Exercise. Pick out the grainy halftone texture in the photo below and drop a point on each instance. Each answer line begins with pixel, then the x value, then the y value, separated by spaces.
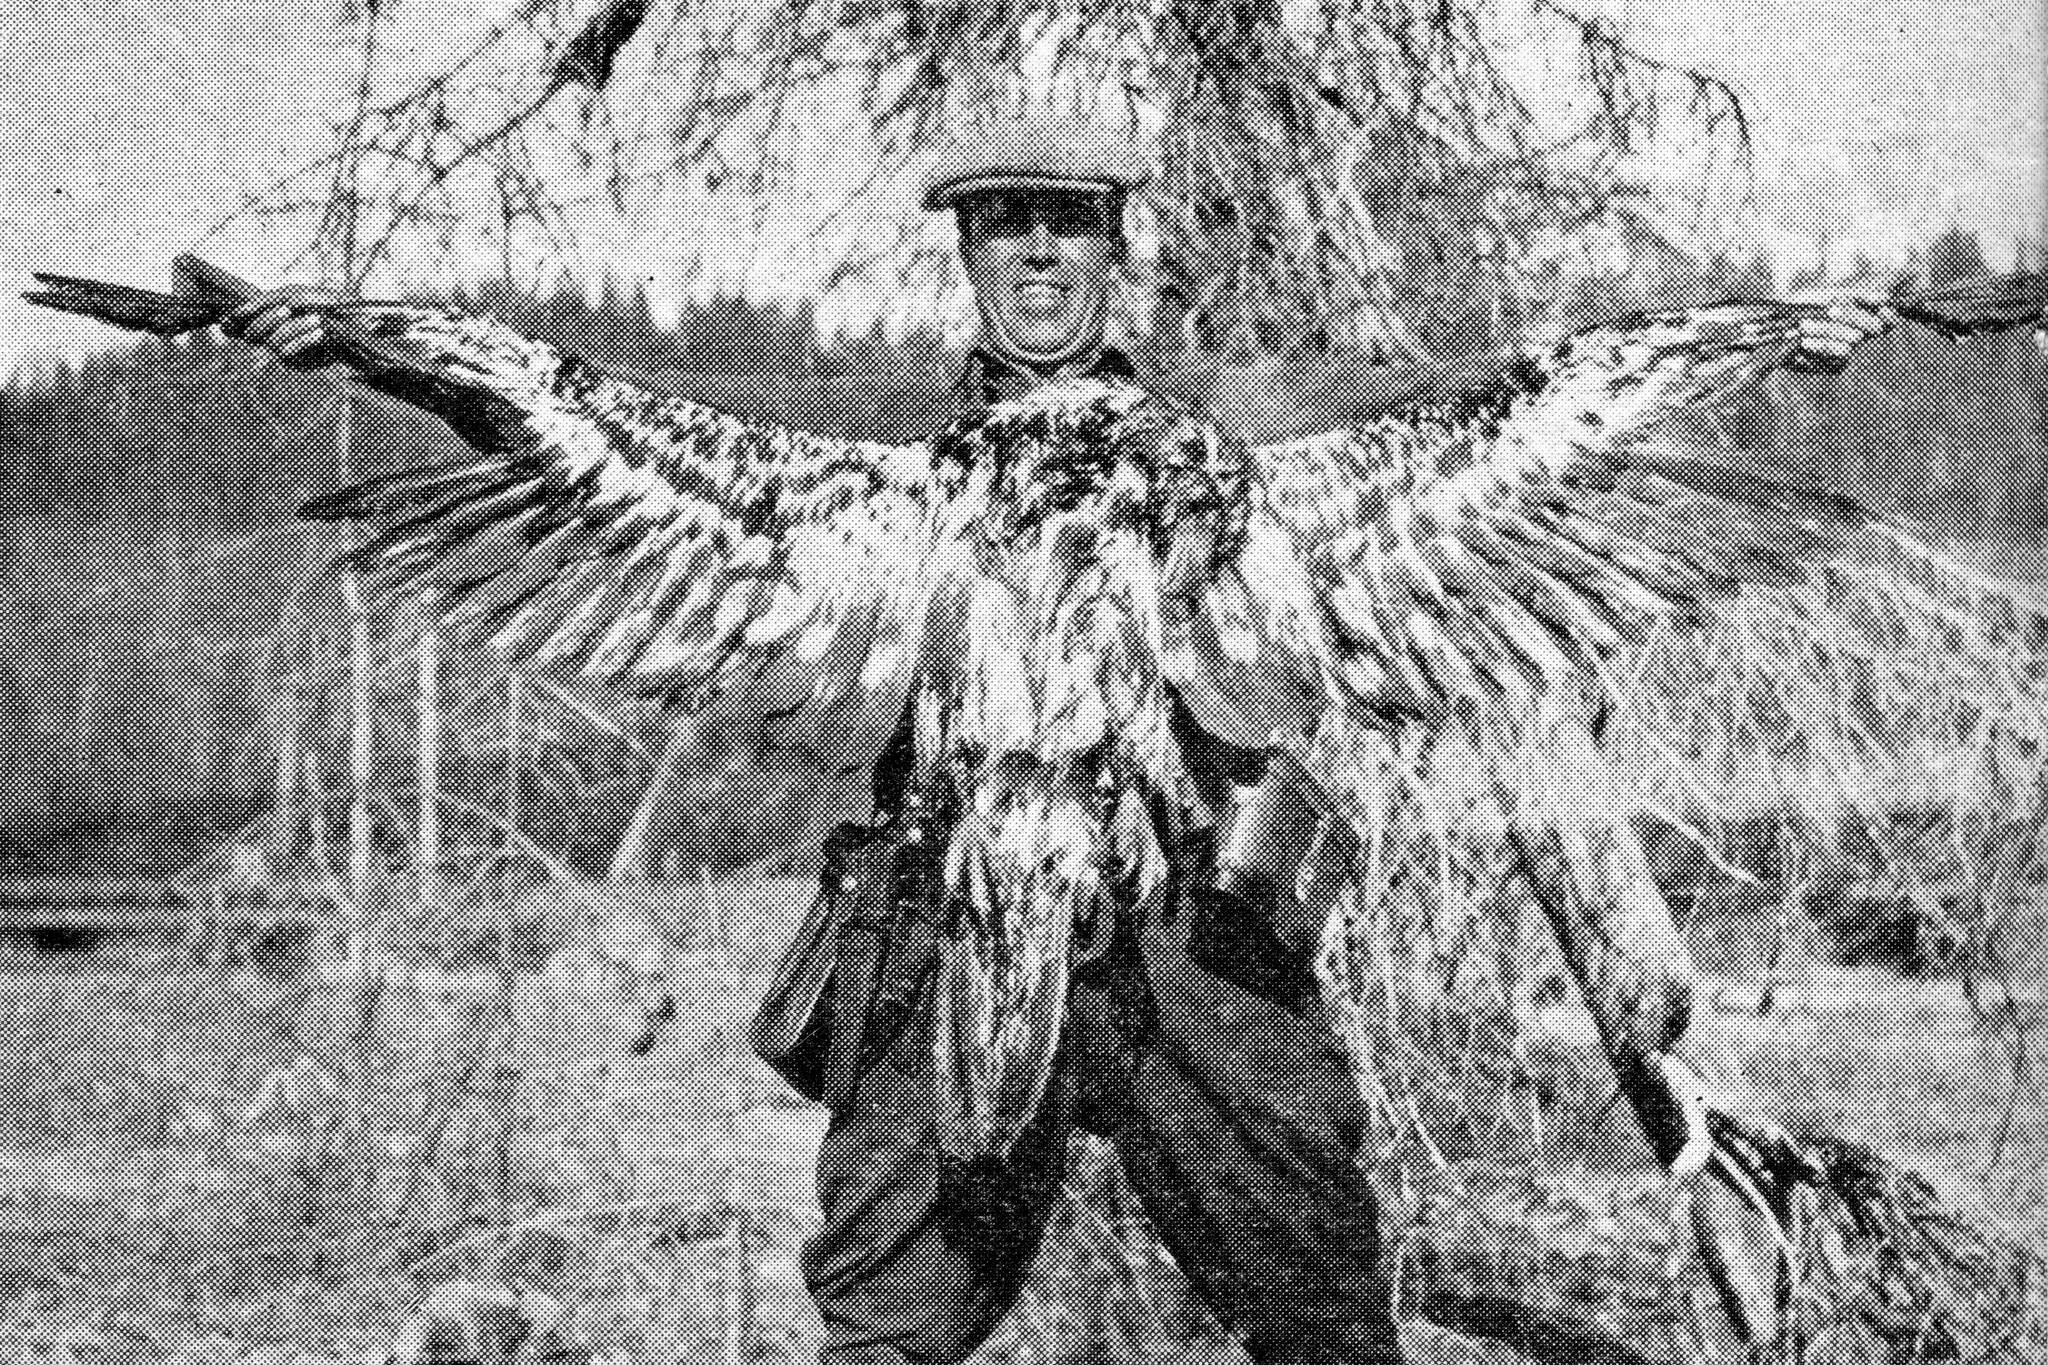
pixel 308 1154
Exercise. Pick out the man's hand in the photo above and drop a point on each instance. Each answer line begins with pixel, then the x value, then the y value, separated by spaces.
pixel 288 322
pixel 1824 342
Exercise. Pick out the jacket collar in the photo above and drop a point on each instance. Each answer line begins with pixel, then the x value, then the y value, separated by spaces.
pixel 988 378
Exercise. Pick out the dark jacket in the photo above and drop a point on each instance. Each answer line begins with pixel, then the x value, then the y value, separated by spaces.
pixel 987 378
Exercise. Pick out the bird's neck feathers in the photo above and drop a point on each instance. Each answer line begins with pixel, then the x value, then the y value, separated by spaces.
pixel 989 379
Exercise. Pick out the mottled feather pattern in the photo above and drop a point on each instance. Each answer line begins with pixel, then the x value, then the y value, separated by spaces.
pixel 1513 544
pixel 649 540
pixel 1049 574
pixel 1055 597
pixel 1027 865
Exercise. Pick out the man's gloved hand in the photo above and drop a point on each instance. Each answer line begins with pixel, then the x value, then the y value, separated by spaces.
pixel 1824 341
pixel 288 322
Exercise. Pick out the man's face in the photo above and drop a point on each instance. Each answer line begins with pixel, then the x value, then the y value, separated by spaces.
pixel 1042 263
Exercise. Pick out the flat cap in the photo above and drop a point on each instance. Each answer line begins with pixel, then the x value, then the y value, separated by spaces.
pixel 1034 153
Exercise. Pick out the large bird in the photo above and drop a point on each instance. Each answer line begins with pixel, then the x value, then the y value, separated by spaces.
pixel 1046 582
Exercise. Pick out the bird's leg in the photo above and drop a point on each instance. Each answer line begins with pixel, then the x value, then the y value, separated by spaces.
pixel 1200 795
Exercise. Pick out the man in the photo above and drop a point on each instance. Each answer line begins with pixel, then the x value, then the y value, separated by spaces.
pixel 1194 1038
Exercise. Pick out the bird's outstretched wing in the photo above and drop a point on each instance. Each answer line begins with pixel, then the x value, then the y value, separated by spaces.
pixel 1529 537
pixel 605 527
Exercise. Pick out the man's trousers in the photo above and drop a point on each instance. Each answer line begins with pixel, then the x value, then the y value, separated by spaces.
pixel 1239 1129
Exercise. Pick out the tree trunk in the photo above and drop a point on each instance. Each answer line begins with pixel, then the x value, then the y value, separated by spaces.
pixel 1571 836
pixel 429 757
pixel 362 719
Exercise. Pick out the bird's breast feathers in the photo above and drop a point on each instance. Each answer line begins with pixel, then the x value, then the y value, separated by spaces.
pixel 1045 622
pixel 1108 450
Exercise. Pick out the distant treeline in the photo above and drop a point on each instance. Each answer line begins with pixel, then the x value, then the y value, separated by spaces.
pixel 1949 435
pixel 155 586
